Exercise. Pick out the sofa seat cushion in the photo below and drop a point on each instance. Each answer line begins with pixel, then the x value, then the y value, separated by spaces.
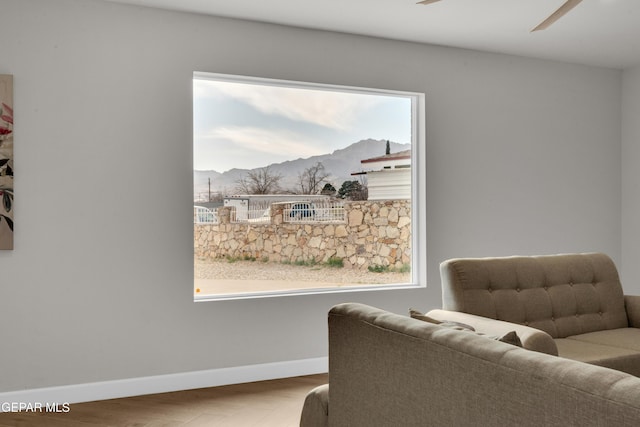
pixel 615 348
pixel 628 338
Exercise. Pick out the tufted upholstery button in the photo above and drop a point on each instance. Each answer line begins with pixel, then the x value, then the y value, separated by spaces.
pixel 490 289
pixel 517 289
pixel 553 318
pixel 600 313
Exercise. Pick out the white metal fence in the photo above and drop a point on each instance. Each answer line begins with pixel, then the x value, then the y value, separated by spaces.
pixel 202 215
pixel 314 212
pixel 297 212
pixel 259 213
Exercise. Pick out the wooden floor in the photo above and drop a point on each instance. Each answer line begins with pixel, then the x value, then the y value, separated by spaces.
pixel 275 403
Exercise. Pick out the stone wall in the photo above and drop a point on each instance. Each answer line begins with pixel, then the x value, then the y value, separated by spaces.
pixel 374 233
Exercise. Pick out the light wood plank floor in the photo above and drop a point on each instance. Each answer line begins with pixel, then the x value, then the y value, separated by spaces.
pixel 275 403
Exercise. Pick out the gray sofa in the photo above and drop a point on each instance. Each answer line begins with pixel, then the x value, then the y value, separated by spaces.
pixel 571 305
pixel 391 370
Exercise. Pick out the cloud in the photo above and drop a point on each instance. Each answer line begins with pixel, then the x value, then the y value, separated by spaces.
pixel 330 109
pixel 256 147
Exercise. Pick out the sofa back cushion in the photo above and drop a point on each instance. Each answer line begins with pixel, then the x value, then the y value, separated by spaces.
pixel 562 295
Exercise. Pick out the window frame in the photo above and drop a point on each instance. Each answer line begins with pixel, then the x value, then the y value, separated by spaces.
pixel 418 185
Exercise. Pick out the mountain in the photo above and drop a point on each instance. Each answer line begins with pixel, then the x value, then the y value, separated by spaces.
pixel 340 165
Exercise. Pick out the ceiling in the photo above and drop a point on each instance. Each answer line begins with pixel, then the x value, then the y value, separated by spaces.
pixel 596 32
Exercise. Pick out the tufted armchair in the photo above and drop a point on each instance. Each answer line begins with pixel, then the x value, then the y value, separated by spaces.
pixel 569 305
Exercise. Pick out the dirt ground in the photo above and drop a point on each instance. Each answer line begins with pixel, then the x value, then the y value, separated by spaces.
pixel 222 276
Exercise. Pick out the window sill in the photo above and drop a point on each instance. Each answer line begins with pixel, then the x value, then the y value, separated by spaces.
pixel 304 291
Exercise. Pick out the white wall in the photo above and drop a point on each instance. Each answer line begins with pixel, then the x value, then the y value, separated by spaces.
pixel 523 157
pixel 630 268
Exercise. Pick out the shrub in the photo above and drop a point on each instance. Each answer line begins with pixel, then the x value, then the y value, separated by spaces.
pixel 378 268
pixel 406 268
pixel 335 262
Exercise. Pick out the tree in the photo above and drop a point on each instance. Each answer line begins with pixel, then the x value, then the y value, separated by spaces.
pixel 353 190
pixel 328 190
pixel 388 149
pixel 259 181
pixel 311 179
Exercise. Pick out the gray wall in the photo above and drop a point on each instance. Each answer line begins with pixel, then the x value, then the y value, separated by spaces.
pixel 630 269
pixel 524 157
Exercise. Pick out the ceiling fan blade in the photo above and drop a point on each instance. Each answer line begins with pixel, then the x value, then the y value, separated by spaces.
pixel 427 1
pixel 562 10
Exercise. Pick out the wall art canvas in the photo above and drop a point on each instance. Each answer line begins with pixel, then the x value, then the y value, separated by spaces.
pixel 6 161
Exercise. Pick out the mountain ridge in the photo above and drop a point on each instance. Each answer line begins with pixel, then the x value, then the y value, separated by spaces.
pixel 339 164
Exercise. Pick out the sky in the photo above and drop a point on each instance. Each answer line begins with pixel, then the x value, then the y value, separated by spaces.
pixel 249 125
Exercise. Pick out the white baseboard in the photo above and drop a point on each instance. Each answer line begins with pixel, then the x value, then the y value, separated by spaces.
pixel 166 383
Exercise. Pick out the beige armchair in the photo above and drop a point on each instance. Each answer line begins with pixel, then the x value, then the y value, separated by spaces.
pixel 569 305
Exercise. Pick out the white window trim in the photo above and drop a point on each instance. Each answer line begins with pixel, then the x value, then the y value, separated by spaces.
pixel 418 187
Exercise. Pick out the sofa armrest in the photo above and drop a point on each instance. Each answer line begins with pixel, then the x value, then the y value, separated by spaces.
pixel 532 339
pixel 632 305
pixel 315 411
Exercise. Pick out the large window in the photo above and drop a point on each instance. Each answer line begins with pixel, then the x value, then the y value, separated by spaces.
pixel 302 187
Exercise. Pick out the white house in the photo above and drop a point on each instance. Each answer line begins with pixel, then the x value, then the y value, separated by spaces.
pixel 388 176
